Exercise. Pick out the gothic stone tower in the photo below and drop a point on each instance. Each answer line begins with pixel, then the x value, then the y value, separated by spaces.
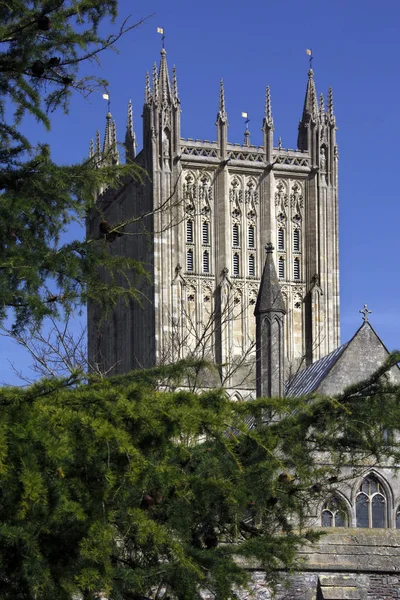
pixel 199 225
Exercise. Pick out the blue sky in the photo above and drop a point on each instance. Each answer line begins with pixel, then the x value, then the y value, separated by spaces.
pixel 356 48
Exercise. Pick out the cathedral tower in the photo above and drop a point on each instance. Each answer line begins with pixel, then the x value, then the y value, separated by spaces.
pixel 199 225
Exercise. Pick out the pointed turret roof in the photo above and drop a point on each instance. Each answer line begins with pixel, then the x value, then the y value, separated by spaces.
pixel 269 297
pixel 164 85
pixel 310 109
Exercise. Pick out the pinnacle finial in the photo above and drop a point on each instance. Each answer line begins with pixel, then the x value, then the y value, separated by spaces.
pixel 130 138
pixel 155 83
pixel 147 91
pixel 269 248
pixel 268 111
pixel 175 84
pixel 91 148
pixel 321 105
pixel 98 144
pixel 222 98
pixel 279 143
pixel 331 115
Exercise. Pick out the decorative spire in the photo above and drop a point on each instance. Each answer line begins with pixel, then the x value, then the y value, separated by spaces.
pixel 246 141
pixel 222 116
pixel 163 79
pixel 130 138
pixel 107 144
pixel 310 110
pixel 91 148
pixel 279 143
pixel 269 297
pixel 331 115
pixel 147 91
pixel 175 84
pixel 268 120
pixel 155 83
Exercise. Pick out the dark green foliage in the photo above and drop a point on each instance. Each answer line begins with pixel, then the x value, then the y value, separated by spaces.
pixel 118 487
pixel 42 45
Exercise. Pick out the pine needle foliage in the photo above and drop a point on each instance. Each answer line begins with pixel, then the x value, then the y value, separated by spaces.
pixel 43 44
pixel 120 488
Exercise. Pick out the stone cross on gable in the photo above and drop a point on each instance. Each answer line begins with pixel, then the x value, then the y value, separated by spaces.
pixel 365 312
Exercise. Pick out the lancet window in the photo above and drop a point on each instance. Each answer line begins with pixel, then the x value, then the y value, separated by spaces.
pixel 281 267
pixel 236 264
pixel 252 265
pixel 189 231
pixel 189 260
pixel 251 237
pixel 281 238
pixel 206 233
pixel 235 236
pixel 206 262
pixel 371 504
pixel 296 240
pixel 334 514
pixel 296 269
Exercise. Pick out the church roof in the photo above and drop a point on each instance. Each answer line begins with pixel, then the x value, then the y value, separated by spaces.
pixel 308 380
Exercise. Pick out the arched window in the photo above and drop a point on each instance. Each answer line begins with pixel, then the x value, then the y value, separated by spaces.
pixel 296 269
pixel 189 260
pixel 236 264
pixel 206 262
pixel 251 237
pixel 235 235
pixel 281 239
pixel 189 232
pixel 334 514
pixel 296 240
pixel 281 267
pixel 206 233
pixel 252 265
pixel 371 505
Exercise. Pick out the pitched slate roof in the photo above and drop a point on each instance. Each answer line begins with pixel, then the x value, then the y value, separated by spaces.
pixel 307 381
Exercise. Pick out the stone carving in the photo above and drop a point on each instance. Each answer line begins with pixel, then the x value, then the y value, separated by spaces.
pixel 296 198
pixel 281 197
pixel 251 193
pixel 235 191
pixel 322 159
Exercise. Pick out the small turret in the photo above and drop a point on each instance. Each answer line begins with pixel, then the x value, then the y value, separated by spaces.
pixel 147 91
pixel 331 116
pixel 269 313
pixel 175 86
pixel 130 137
pixel 306 140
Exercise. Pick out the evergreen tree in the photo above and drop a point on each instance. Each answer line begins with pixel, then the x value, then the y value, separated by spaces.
pixel 119 488
pixel 42 45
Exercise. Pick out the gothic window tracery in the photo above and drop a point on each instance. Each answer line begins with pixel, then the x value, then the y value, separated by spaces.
pixel 334 513
pixel 371 504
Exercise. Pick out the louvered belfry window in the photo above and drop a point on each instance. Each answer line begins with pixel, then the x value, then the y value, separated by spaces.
pixel 281 239
pixel 189 260
pixel 251 237
pixel 296 269
pixel 206 262
pixel 189 232
pixel 296 240
pixel 252 265
pixel 235 235
pixel 206 233
pixel 281 267
pixel 236 264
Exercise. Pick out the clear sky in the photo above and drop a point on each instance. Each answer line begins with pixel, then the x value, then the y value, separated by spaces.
pixel 356 48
